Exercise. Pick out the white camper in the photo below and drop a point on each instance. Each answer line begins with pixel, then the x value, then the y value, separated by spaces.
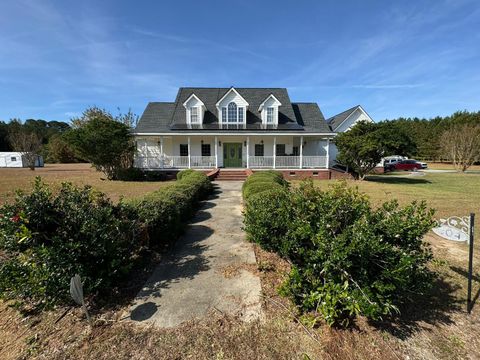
pixel 16 160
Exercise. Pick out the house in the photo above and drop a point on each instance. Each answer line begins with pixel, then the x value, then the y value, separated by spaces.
pixel 240 128
pixel 16 160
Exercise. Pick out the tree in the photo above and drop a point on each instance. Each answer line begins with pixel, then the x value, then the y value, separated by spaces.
pixel 59 151
pixel 461 145
pixel 103 141
pixel 28 143
pixel 363 146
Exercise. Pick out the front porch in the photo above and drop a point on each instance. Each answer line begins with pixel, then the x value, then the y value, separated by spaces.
pixel 281 152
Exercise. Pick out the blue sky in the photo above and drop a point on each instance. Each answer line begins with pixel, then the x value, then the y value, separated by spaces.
pixel 396 58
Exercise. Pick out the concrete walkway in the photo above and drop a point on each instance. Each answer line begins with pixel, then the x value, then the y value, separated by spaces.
pixel 206 270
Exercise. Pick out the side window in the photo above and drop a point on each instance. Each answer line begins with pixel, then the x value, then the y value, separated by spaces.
pixel 13 158
pixel 206 150
pixel 258 149
pixel 183 150
pixel 280 150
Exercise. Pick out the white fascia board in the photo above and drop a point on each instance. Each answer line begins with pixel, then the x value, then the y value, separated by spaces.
pixel 191 96
pixel 353 111
pixel 366 114
pixel 268 97
pixel 228 92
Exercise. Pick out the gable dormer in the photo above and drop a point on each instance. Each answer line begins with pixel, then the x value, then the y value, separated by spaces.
pixel 195 110
pixel 269 110
pixel 232 108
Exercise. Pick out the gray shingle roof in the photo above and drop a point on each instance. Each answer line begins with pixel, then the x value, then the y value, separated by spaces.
pixel 337 120
pixel 310 117
pixel 156 117
pixel 170 117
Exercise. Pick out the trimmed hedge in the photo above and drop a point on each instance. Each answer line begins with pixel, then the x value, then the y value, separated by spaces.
pixel 162 213
pixel 262 181
pixel 347 258
pixel 46 238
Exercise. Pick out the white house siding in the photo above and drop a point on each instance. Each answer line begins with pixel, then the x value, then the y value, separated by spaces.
pixel 356 116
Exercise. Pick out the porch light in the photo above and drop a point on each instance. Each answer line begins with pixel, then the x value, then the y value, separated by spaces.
pixel 261 142
pixel 245 143
pixel 220 143
pixel 158 143
pixel 201 142
pixel 304 143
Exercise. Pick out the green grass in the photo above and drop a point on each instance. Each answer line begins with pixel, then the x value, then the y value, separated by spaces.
pixel 448 193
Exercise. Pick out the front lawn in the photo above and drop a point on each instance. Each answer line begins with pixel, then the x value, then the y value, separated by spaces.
pixel 12 179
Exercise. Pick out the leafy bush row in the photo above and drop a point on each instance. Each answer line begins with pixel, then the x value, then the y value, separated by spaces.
pixel 347 258
pixel 46 238
pixel 262 181
pixel 161 214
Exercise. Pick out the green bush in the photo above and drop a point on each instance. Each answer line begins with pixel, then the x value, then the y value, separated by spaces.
pixel 47 238
pixel 347 258
pixel 262 181
pixel 163 212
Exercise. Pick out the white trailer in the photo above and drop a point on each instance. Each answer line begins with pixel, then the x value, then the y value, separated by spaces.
pixel 16 160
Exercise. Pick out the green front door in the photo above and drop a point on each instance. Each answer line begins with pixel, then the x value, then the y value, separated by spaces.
pixel 232 155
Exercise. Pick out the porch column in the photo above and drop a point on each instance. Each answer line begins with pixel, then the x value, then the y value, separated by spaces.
pixel 248 152
pixel 274 151
pixel 161 152
pixel 189 154
pixel 216 152
pixel 328 154
pixel 301 152
pixel 145 152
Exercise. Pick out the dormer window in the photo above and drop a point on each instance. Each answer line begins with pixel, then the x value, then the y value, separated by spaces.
pixel 232 108
pixel 270 114
pixel 194 115
pixel 194 110
pixel 269 110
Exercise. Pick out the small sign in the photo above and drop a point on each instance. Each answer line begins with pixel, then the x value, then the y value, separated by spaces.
pixel 454 228
pixel 76 289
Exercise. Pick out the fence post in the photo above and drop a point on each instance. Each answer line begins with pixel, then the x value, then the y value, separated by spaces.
pixel 470 261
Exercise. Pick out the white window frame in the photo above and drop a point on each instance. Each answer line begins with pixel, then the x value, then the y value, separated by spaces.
pixel 194 111
pixel 240 114
pixel 270 115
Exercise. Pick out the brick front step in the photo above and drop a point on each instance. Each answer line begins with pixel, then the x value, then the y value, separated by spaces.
pixel 231 175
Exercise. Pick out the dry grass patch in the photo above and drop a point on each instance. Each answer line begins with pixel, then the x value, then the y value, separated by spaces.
pixel 12 179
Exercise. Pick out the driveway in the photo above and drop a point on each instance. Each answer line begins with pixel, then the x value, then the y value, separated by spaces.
pixel 207 270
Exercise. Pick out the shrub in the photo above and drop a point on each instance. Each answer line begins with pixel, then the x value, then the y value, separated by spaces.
pixel 347 258
pixel 262 181
pixel 162 212
pixel 48 238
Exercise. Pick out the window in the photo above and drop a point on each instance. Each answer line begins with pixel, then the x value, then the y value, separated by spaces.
pixel 270 112
pixel 206 150
pixel 280 150
pixel 194 114
pixel 183 150
pixel 240 114
pixel 232 112
pixel 296 151
pixel 258 149
pixel 13 158
pixel 224 114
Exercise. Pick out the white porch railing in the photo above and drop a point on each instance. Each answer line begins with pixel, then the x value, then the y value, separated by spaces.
pixel 314 161
pixel 285 162
pixel 260 162
pixel 174 162
pixel 206 162
pixel 202 161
